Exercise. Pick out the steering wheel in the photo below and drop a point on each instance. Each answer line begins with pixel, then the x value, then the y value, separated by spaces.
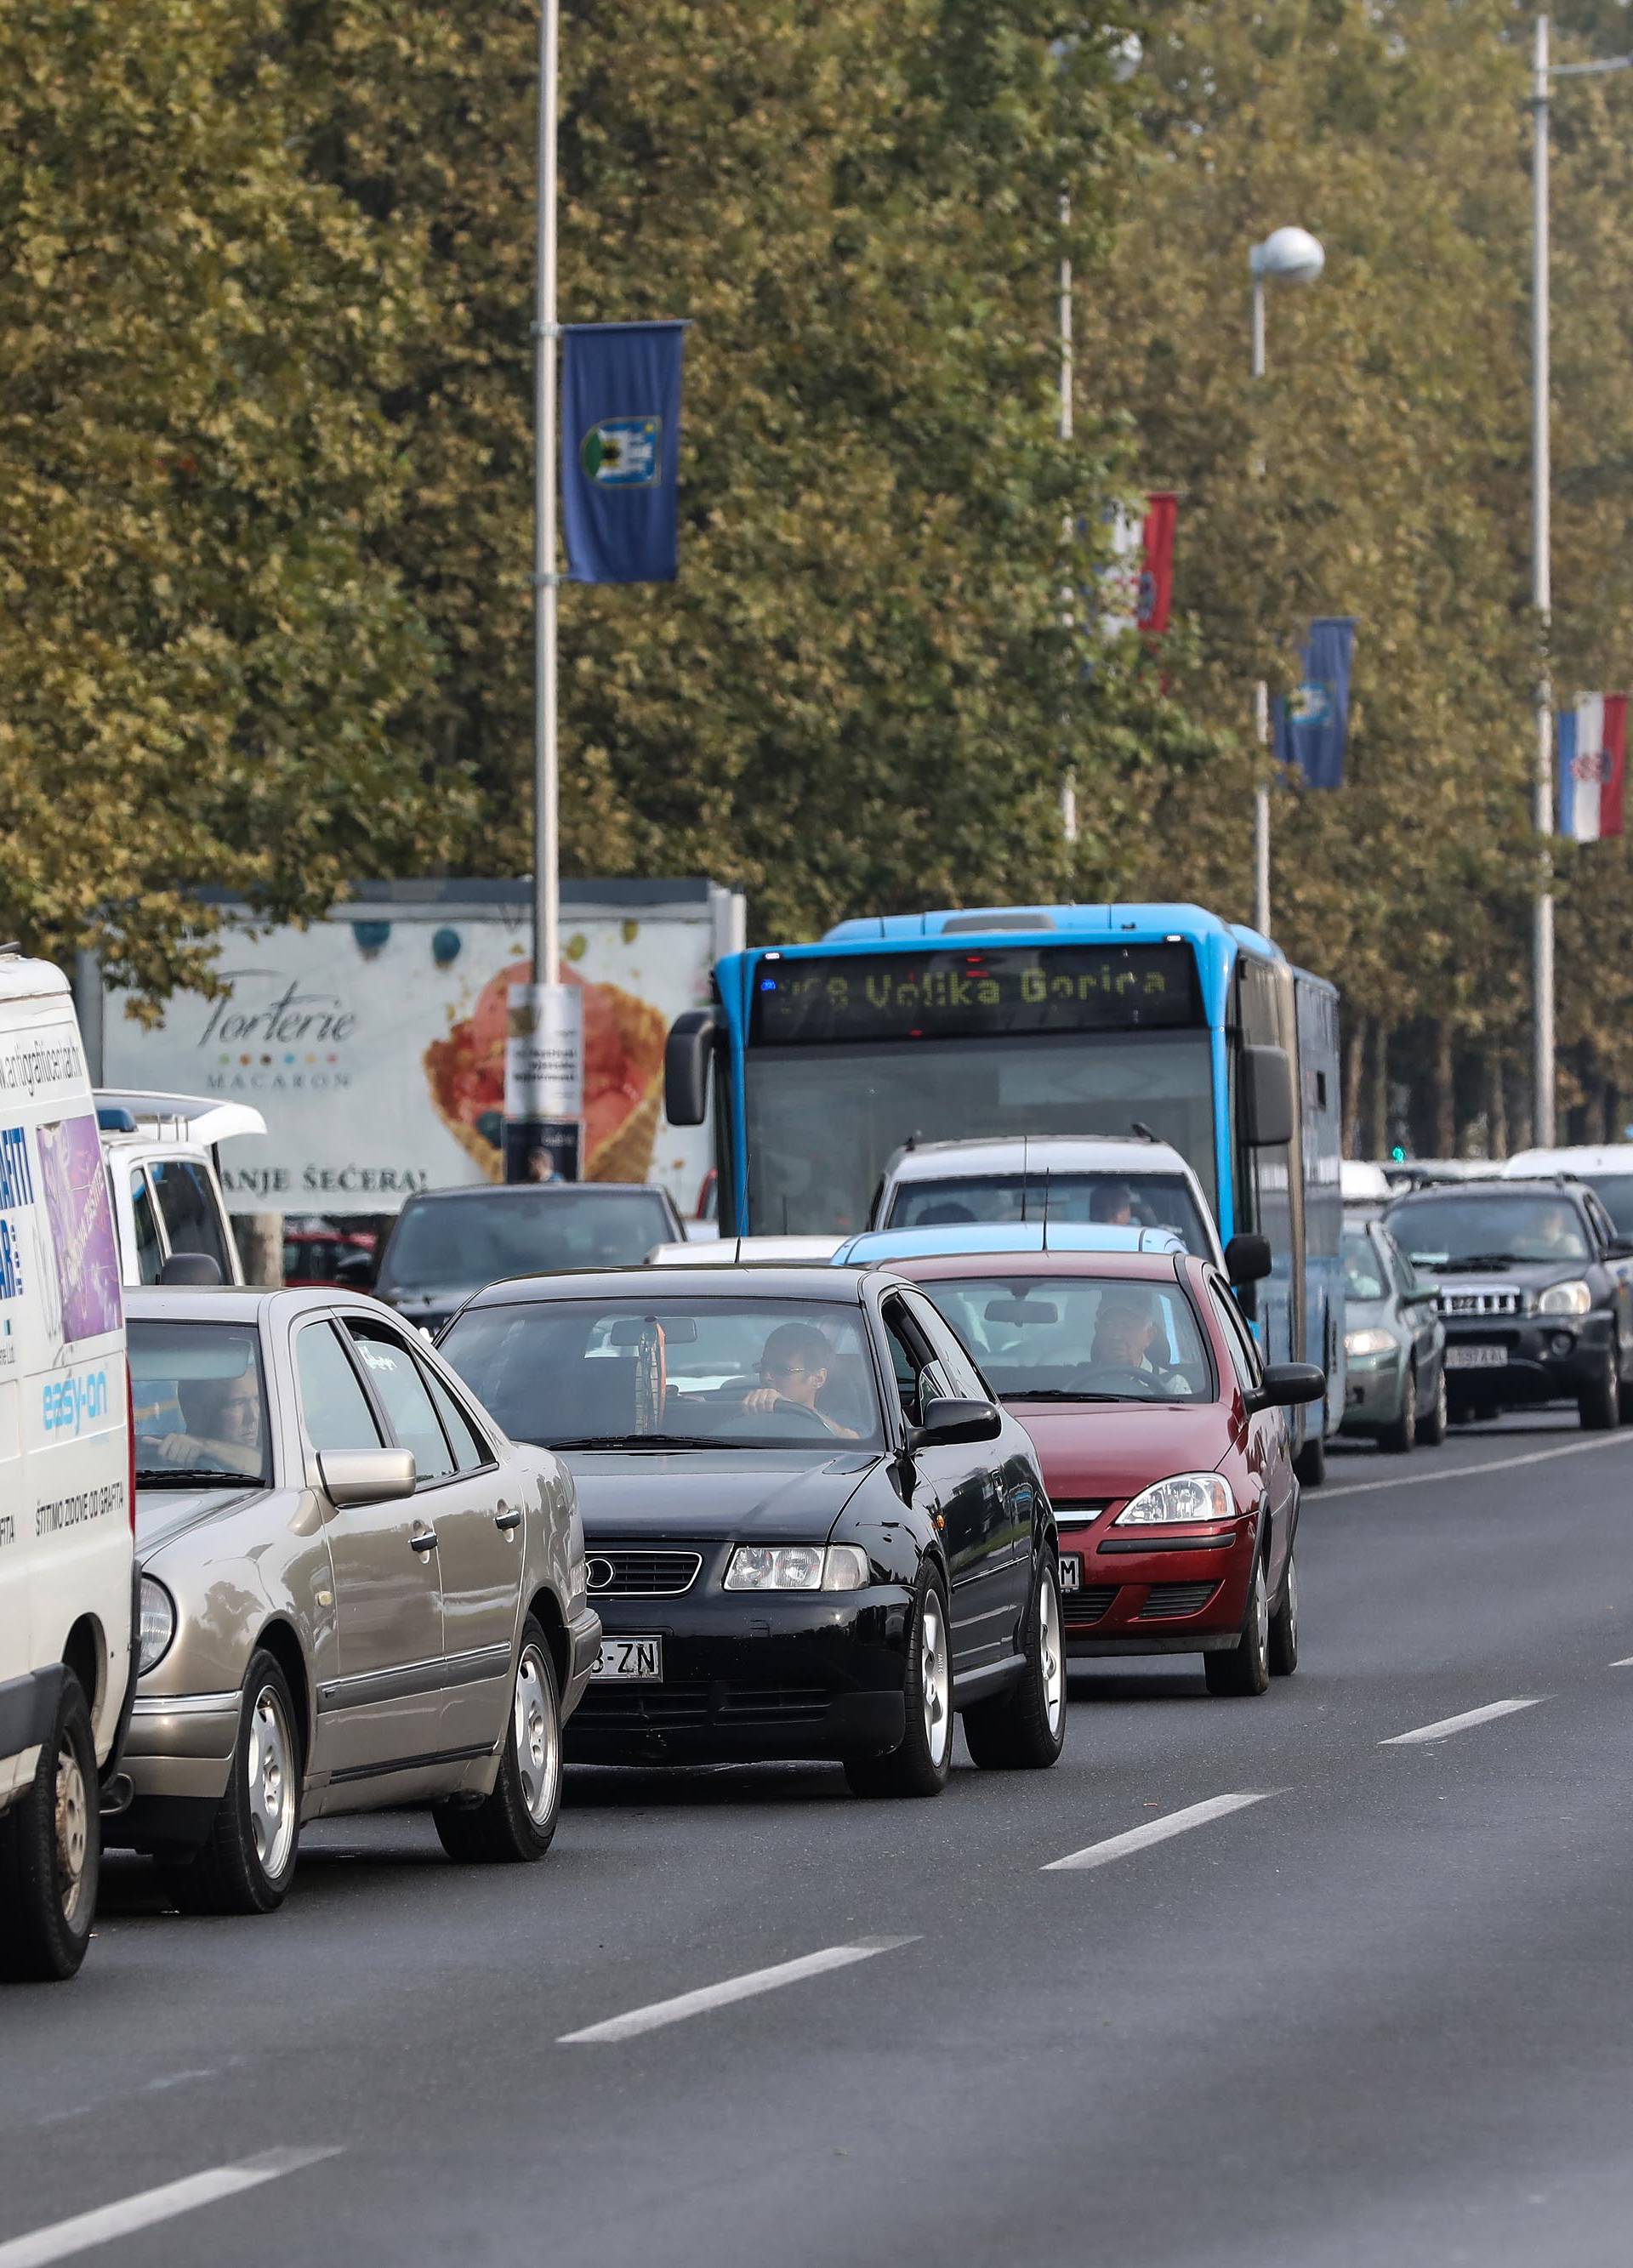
pixel 1148 1381
pixel 782 1414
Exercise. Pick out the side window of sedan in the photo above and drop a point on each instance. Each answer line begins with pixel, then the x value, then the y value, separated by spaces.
pixel 908 1356
pixel 962 1379
pixel 1244 1354
pixel 333 1405
pixel 470 1453
pixel 396 1378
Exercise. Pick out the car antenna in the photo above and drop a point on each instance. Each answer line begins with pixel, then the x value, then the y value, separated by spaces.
pixel 1143 1130
pixel 1026 1180
pixel 1045 1218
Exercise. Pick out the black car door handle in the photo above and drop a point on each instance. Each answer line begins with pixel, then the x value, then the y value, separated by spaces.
pixel 503 1519
pixel 423 1539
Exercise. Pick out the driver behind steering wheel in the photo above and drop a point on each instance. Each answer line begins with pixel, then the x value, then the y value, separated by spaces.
pixel 223 1419
pixel 794 1362
pixel 1124 1328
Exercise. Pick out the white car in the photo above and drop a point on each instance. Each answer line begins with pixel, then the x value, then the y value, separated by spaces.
pixel 67 1491
pixel 164 1179
pixel 1606 1167
pixel 734 1251
pixel 1138 1182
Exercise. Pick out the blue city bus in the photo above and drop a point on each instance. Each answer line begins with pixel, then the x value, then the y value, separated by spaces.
pixel 1055 1020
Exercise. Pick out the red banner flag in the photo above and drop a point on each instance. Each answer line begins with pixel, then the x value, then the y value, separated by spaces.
pixel 1156 578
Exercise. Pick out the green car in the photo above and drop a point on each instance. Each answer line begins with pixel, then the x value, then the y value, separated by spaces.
pixel 1394 1344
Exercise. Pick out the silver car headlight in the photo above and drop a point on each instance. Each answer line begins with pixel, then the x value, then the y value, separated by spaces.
pixel 1187 1496
pixel 797 1567
pixel 156 1626
pixel 1571 1298
pixel 1367 1345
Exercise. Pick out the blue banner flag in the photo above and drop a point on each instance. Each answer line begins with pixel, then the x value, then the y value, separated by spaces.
pixel 620 447
pixel 1312 724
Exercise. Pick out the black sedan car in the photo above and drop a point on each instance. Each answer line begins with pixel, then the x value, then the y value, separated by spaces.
pixel 1536 1291
pixel 810 1531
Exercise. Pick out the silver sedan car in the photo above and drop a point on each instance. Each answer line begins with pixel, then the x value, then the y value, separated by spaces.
pixel 356 1593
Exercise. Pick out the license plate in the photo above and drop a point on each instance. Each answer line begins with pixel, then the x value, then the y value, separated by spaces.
pixel 1071 1570
pixel 631 1657
pixel 1476 1358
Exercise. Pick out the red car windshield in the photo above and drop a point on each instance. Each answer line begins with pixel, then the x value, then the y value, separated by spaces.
pixel 1079 1339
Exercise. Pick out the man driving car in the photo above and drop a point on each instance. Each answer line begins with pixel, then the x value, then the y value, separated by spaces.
pixel 223 1422
pixel 794 1364
pixel 1125 1328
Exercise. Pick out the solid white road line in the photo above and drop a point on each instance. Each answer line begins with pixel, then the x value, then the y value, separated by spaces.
pixel 108 2222
pixel 1469 1472
pixel 1154 1830
pixel 720 1996
pixel 1438 1731
pixel 1626 1662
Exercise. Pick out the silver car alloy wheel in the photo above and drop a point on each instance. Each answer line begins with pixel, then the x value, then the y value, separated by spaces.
pixel 537 1736
pixel 274 1798
pixel 1290 1597
pixel 1261 1608
pixel 73 1832
pixel 1052 1651
pixel 935 1677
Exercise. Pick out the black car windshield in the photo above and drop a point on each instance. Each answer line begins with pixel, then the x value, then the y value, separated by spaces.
pixel 1079 1339
pixel 1364 1277
pixel 1451 1232
pixel 745 1373
pixel 1130 1200
pixel 200 1404
pixel 466 1241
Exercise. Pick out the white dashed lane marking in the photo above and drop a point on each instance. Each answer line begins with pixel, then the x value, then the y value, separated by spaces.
pixel 1154 1830
pixel 1446 1726
pixel 746 1987
pixel 106 2223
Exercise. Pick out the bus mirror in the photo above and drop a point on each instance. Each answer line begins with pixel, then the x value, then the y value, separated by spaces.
pixel 1247 1258
pixel 691 1042
pixel 1267 1097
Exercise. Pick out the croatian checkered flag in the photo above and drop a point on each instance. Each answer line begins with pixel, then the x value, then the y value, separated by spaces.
pixel 1592 762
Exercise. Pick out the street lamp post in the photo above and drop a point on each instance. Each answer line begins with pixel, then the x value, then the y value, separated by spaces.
pixel 1541 579
pixel 1289 256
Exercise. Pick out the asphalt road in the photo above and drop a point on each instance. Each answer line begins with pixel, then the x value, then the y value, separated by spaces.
pixel 1382 2012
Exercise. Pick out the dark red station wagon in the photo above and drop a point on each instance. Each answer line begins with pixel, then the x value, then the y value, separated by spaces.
pixel 1163 1445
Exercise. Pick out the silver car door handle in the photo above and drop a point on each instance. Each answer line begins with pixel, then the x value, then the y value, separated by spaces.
pixel 423 1539
pixel 504 1519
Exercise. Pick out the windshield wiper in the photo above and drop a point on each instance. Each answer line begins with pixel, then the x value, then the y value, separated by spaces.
pixel 639 1441
pixel 193 1477
pixel 1065 1394
pixel 1476 1263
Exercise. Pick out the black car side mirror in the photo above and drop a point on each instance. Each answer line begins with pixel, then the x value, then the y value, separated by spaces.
pixel 948 1420
pixel 1619 1248
pixel 1247 1258
pixel 1287 1383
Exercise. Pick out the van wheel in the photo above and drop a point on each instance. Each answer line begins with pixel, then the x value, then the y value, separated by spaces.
pixel 1023 1728
pixel 516 1821
pixel 248 1860
pixel 51 1852
pixel 921 1765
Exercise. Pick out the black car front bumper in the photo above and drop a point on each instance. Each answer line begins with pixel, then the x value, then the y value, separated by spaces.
pixel 1545 1357
pixel 747 1675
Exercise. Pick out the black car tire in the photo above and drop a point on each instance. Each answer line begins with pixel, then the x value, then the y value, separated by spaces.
pixel 1283 1645
pixel 1024 1728
pixel 1624 1402
pixel 516 1822
pixel 1598 1405
pixel 51 1853
pixel 1400 1436
pixel 1309 1465
pixel 1245 1668
pixel 915 1767
pixel 231 1874
pixel 1432 1422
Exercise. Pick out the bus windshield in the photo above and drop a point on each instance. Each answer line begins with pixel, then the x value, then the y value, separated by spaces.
pixel 822 1120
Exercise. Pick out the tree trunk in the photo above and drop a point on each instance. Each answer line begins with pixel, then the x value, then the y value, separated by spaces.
pixel 1496 1105
pixel 1380 1089
pixel 1612 1111
pixel 1355 1057
pixel 1519 1119
pixel 1445 1097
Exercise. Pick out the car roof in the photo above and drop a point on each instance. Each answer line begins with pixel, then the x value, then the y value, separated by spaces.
pixel 1116 1154
pixel 731 1251
pixel 1582 1158
pixel 885 1246
pixel 767 1281
pixel 1488 1185
pixel 544 1192
pixel 202 1118
pixel 243 1303
pixel 1132 1267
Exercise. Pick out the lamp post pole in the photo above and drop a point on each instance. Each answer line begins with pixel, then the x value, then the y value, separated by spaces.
pixel 1068 777
pixel 1292 255
pixel 546 832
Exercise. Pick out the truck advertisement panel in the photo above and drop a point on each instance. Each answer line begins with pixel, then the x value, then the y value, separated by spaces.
pixel 374 1042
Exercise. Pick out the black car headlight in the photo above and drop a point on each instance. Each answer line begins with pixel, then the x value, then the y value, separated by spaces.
pixel 797 1567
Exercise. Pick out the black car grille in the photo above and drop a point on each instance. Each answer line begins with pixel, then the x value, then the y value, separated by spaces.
pixel 1505 1299
pixel 773 1704
pixel 620 1572
pixel 1165 1599
pixel 1090 1604
pixel 679 1708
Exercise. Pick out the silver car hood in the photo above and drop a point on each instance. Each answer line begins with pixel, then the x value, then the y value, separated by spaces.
pixel 162 1514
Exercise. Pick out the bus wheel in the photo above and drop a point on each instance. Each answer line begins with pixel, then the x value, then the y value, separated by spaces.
pixel 1310 1463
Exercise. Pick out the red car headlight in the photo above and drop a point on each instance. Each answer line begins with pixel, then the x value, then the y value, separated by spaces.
pixel 1186 1496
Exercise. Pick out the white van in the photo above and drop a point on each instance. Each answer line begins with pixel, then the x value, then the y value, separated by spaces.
pixel 164 1176
pixel 67 1489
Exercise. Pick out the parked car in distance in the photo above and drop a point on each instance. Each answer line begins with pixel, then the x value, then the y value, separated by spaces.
pixel 740 1251
pixel 445 1244
pixel 356 1593
pixel 163 1175
pixel 1139 1183
pixel 1394 1344
pixel 1535 1292
pixel 811 1532
pixel 65 1482
pixel 1164 1442
pixel 1606 1167
pixel 1364 1187
pixel 315 1251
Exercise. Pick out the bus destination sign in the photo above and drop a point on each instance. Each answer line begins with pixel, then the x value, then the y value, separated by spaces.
pixel 1003 991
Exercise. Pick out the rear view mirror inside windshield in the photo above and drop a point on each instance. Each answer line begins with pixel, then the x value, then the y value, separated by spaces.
pixel 1021 1311
pixel 678 1330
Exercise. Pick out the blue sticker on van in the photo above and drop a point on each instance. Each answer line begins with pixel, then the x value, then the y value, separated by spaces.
pixel 10 1264
pixel 16 1180
pixel 70 1404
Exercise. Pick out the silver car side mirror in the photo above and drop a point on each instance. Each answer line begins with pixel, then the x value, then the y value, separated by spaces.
pixel 367 1476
